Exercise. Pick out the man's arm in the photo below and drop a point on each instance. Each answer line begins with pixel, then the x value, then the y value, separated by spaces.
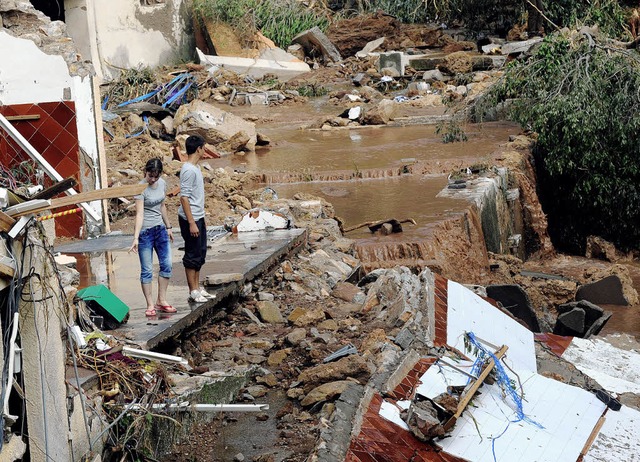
pixel 186 206
pixel 186 187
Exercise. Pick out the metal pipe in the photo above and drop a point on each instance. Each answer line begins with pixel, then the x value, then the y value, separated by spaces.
pixel 153 356
pixel 457 369
pixel 12 346
pixel 185 406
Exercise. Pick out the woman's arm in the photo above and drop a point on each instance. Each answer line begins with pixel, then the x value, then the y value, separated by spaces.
pixel 165 219
pixel 138 225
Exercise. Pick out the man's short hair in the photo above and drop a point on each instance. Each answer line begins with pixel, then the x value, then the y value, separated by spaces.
pixel 193 143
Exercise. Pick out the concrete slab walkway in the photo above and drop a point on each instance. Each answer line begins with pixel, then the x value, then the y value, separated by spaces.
pixel 247 255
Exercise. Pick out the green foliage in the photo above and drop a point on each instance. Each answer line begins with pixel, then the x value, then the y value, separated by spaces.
pixel 582 99
pixel 608 15
pixel 409 11
pixel 312 90
pixel 279 20
pixel 451 131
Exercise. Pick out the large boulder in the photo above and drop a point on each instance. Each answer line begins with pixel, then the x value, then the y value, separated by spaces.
pixel 229 133
pixel 381 114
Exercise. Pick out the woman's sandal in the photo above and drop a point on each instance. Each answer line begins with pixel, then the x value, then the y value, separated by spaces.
pixel 165 308
pixel 150 312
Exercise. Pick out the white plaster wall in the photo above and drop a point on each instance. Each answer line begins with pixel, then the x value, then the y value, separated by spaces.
pixel 77 21
pixel 124 41
pixel 27 75
pixel 86 124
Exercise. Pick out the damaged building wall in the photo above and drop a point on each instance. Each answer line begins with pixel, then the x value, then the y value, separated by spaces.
pixel 44 358
pixel 34 83
pixel 123 34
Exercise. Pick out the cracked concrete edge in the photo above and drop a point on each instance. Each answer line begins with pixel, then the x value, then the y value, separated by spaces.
pixel 405 365
pixel 163 433
pixel 335 440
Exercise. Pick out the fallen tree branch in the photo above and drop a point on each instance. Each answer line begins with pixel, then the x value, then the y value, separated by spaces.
pixel 378 224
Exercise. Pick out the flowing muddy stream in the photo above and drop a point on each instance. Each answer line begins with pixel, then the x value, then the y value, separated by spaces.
pixel 363 172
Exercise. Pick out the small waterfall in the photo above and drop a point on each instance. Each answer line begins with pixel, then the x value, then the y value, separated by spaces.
pixel 455 249
pixel 338 175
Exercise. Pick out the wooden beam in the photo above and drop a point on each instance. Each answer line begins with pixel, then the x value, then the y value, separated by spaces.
pixel 471 390
pixel 59 187
pixel 6 222
pixel 19 118
pixel 98 194
pixel 6 270
pixel 593 435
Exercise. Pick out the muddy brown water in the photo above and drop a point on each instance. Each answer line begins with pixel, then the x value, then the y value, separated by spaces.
pixel 380 152
pixel 387 193
pixel 381 148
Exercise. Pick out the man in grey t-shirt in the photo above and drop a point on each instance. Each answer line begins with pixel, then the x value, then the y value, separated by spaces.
pixel 191 218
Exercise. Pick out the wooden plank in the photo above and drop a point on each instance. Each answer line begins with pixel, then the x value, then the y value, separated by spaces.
pixel 27 207
pixel 59 187
pixel 18 118
pixel 6 270
pixel 471 390
pixel 98 194
pixel 593 435
pixel 6 222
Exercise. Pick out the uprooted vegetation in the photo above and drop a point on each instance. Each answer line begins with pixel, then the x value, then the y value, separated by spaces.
pixel 579 93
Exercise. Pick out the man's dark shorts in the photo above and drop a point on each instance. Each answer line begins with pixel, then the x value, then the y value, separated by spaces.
pixel 195 248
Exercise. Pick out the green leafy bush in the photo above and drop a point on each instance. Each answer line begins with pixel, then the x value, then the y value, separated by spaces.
pixel 608 15
pixel 582 99
pixel 451 131
pixel 279 20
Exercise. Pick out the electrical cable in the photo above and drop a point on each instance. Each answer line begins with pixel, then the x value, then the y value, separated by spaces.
pixel 503 380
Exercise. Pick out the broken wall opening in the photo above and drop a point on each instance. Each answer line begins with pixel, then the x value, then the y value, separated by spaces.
pixel 52 8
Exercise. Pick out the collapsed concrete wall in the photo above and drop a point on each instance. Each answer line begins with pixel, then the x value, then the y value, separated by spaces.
pixel 123 34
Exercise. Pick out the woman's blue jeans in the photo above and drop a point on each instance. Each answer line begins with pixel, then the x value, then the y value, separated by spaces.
pixel 150 239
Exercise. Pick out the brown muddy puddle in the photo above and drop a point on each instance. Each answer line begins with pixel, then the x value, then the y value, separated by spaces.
pixel 360 201
pixel 299 150
pixel 381 149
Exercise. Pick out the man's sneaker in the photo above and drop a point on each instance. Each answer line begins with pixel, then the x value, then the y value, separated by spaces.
pixel 206 294
pixel 196 297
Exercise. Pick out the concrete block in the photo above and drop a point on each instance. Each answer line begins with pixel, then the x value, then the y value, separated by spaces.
pixel 519 47
pixel 315 39
pixel 391 60
pixel 516 301
pixel 607 291
pixel 571 323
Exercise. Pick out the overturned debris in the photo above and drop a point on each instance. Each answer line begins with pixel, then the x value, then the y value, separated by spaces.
pixel 388 226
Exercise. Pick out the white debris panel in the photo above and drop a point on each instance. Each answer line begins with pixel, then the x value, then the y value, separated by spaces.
pixel 615 369
pixel 467 312
pixel 618 439
pixel 548 421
